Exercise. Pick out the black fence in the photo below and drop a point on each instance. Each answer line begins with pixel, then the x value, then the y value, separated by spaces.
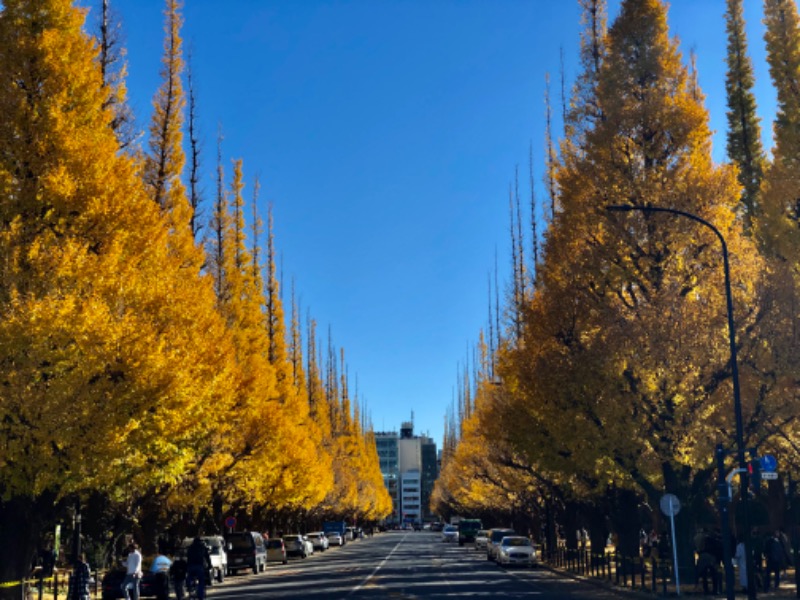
pixel 650 574
pixel 634 572
pixel 53 587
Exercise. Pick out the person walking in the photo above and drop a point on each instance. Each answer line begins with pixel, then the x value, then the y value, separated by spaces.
pixel 133 572
pixel 81 579
pixel 740 558
pixel 177 571
pixel 776 559
pixel 709 559
pixel 198 563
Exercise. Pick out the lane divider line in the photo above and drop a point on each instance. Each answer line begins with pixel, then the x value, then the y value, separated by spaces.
pixel 376 569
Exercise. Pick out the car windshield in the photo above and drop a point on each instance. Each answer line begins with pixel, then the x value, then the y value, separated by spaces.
pixel 481 533
pixel 291 538
pixel 516 541
pixel 275 544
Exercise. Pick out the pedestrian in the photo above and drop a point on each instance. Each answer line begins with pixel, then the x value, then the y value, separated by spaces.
pixel 133 572
pixel 740 558
pixel 47 558
pixel 161 563
pixel 177 572
pixel 709 562
pixel 776 559
pixel 787 548
pixel 198 564
pixel 81 579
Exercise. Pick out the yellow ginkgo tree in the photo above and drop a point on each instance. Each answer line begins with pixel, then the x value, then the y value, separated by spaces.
pixel 108 340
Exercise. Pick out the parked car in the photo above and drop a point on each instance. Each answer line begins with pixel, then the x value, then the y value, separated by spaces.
pixel 298 545
pixel 276 551
pixel 334 538
pixel 516 550
pixel 211 574
pixel 151 585
pixel 246 550
pixel 495 537
pixel 318 540
pixel 219 557
pixel 437 526
pixel 450 533
pixel 480 539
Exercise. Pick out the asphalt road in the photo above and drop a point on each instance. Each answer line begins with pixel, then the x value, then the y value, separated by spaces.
pixel 405 565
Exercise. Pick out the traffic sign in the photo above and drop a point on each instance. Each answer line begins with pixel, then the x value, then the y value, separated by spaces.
pixel 230 522
pixel 769 475
pixel 769 464
pixel 670 505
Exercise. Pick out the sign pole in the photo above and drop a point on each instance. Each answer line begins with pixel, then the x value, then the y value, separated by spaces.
pixel 674 548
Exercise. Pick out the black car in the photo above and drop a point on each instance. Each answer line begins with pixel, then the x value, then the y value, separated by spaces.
pixel 246 550
pixel 151 585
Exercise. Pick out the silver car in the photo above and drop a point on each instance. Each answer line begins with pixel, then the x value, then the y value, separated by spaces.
pixel 450 533
pixel 318 540
pixel 297 545
pixel 516 550
pixel 495 537
pixel 481 538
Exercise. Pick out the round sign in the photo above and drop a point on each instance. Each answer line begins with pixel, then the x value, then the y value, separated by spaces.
pixel 670 505
pixel 230 522
pixel 769 464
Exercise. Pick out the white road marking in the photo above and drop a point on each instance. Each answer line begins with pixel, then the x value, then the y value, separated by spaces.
pixel 376 569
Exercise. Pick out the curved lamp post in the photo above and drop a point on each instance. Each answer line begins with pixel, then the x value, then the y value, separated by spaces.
pixel 737 404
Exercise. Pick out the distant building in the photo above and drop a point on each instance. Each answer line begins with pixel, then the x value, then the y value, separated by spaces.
pixel 387 457
pixel 410 467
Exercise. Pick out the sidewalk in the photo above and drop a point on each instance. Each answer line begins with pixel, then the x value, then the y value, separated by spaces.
pixel 788 589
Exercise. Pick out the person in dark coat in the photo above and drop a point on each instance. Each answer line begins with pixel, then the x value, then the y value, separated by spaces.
pixel 776 559
pixel 198 561
pixel 81 579
pixel 177 572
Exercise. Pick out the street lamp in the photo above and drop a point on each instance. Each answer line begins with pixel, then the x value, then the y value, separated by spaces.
pixel 737 403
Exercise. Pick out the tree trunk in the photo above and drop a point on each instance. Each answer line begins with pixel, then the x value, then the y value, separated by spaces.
pixel 22 523
pixel 624 521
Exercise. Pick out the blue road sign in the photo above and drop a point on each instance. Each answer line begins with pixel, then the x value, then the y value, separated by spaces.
pixel 768 463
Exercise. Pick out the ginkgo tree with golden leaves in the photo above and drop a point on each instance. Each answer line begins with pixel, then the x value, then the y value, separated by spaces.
pixel 107 340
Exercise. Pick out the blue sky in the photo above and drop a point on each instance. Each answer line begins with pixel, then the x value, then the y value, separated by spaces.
pixel 385 134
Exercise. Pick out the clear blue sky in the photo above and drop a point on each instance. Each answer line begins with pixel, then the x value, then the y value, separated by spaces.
pixel 386 134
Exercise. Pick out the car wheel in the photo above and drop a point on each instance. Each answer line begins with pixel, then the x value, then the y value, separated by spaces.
pixel 285 561
pixel 220 575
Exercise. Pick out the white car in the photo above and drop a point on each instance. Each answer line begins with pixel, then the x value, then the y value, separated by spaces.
pixel 516 550
pixel 318 540
pixel 495 538
pixel 450 533
pixel 481 538
pixel 334 538
pixel 298 545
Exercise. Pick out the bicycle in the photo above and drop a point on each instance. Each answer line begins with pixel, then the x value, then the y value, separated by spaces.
pixel 192 588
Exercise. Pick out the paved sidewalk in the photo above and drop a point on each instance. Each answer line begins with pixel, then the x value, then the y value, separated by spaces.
pixel 788 589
